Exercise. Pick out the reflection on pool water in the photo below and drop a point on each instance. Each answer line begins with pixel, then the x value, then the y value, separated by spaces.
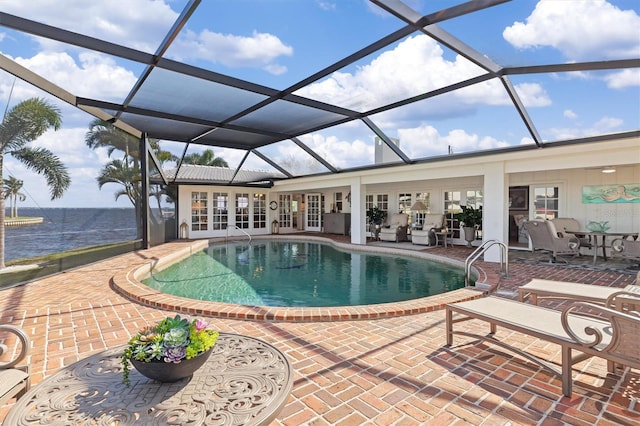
pixel 302 273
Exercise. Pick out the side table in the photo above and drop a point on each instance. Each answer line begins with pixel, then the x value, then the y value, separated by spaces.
pixel 245 381
pixel 443 237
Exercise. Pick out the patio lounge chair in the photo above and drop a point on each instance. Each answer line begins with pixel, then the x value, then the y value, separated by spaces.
pixel 602 332
pixel 14 380
pixel 537 289
pixel 397 229
pixel 544 236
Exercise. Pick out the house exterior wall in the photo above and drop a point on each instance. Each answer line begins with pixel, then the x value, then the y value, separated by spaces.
pixel 569 167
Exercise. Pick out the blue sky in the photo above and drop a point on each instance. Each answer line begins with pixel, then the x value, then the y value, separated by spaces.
pixel 279 42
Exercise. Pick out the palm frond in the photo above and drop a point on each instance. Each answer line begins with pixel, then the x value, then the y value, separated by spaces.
pixel 45 163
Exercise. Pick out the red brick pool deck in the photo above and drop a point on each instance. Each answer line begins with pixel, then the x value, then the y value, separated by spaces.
pixel 384 365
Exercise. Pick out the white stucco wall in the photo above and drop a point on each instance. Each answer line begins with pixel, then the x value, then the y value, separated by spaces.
pixel 569 167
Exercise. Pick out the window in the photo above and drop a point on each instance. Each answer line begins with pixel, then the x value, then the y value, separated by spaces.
pixel 199 214
pixel 379 200
pixel 404 202
pixel 337 202
pixel 242 211
pixel 474 199
pixel 546 202
pixel 259 211
pixel 417 216
pixel 452 201
pixel 220 216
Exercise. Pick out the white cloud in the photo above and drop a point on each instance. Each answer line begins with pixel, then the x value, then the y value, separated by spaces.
pixel 140 24
pixel 339 152
pixel 579 29
pixel 424 141
pixel 608 124
pixel 570 114
pixel 95 76
pixel 533 95
pixel 416 66
pixel 68 145
pixel 327 5
pixel 258 50
pixel 602 126
pixel 413 67
pixel 623 79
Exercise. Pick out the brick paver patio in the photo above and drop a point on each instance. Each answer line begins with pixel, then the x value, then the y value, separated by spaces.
pixel 390 371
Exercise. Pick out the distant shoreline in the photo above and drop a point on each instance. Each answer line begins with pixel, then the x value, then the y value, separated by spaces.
pixel 23 221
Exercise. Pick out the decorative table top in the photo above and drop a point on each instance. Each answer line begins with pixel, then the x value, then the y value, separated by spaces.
pixel 245 381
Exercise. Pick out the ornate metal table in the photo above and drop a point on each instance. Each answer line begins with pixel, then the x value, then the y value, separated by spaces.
pixel 245 381
pixel 593 237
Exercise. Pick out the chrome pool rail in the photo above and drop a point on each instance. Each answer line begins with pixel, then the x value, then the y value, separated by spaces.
pixel 504 258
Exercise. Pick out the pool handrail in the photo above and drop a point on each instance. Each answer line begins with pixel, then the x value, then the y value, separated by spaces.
pixel 504 258
pixel 241 230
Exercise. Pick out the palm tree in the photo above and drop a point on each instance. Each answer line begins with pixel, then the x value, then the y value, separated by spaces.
pixel 11 188
pixel 124 171
pixel 206 158
pixel 22 124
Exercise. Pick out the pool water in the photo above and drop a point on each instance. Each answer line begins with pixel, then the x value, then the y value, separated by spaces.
pixel 301 273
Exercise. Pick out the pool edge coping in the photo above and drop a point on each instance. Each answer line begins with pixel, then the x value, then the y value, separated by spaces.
pixel 128 285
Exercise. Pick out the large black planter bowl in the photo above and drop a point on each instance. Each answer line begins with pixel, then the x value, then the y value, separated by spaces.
pixel 169 372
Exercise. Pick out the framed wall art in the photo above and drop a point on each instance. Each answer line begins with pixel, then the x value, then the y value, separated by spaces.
pixel 598 194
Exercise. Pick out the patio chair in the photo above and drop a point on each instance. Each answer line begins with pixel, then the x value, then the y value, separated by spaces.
pixel 591 330
pixel 568 226
pixel 627 249
pixel 538 289
pixel 397 228
pixel 545 237
pixel 14 380
pixel 426 235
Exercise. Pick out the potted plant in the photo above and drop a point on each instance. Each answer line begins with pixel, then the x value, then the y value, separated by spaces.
pixel 375 215
pixel 471 220
pixel 170 350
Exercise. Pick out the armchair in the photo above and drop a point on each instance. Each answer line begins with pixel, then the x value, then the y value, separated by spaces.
pixel 397 228
pixel 568 226
pixel 426 236
pixel 14 379
pixel 627 249
pixel 544 236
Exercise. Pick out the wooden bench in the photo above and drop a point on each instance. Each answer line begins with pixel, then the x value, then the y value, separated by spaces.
pixel 591 330
pixel 14 380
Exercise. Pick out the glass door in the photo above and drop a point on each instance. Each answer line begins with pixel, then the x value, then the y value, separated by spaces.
pixel 545 202
pixel 314 212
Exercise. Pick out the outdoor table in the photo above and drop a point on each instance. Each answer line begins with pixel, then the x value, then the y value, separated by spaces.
pixel 443 236
pixel 593 237
pixel 245 381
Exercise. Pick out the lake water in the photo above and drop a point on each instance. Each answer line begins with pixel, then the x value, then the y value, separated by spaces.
pixel 68 228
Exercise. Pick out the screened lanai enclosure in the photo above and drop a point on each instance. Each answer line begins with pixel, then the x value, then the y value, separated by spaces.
pixel 287 90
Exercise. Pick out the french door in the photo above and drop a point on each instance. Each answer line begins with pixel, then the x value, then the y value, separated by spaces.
pixel 313 219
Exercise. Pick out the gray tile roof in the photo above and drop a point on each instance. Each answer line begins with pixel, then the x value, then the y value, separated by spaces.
pixel 196 174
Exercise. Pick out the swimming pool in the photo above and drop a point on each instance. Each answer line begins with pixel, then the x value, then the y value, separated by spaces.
pixel 302 274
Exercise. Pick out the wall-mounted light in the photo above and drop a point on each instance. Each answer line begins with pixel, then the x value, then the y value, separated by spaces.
pixel 608 169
